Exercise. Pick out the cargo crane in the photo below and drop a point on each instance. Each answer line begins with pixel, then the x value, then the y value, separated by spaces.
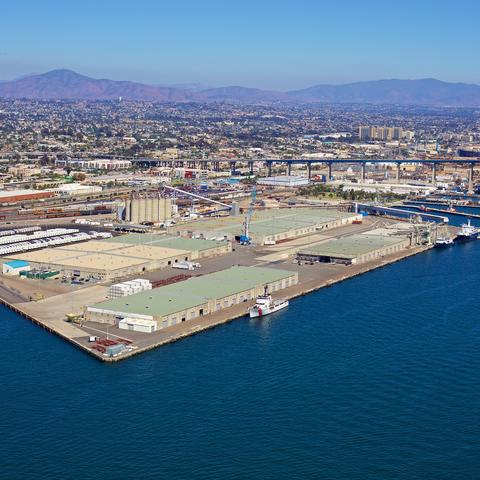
pixel 245 238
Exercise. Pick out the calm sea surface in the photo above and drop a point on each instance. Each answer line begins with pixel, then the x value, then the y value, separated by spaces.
pixel 375 378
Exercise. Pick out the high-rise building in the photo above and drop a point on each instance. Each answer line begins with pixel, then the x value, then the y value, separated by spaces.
pixel 380 133
pixel 364 133
pixel 397 133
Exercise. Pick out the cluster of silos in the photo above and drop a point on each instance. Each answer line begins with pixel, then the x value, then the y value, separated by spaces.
pixel 148 207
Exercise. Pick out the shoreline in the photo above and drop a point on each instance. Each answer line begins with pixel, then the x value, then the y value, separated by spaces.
pixel 224 316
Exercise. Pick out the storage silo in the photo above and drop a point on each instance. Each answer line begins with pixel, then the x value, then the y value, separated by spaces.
pixel 128 209
pixel 148 213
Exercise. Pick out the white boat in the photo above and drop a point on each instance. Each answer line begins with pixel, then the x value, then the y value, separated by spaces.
pixel 444 242
pixel 266 305
pixel 468 232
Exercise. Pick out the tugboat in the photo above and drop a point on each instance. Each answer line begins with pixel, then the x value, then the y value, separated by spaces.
pixel 266 305
pixel 443 242
pixel 468 232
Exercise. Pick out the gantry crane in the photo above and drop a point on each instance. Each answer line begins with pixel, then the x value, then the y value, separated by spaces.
pixel 245 238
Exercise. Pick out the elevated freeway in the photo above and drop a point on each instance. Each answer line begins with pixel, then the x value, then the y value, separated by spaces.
pixel 215 164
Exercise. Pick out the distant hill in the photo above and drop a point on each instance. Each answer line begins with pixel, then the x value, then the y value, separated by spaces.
pixel 66 84
pixel 404 92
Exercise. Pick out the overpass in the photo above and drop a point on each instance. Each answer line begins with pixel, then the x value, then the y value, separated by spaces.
pixel 270 162
pixel 215 163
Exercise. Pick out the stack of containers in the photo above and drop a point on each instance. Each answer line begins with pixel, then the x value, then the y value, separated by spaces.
pixel 128 288
pixel 145 284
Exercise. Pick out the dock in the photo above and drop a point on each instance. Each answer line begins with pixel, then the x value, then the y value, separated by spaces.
pixel 445 203
pixel 440 210
pixel 48 315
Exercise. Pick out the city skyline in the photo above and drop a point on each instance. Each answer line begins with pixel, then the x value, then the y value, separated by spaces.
pixel 295 45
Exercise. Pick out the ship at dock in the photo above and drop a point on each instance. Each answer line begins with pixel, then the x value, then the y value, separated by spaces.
pixel 467 232
pixel 443 242
pixel 265 305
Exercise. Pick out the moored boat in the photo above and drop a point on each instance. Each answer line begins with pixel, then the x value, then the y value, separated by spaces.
pixel 468 232
pixel 443 242
pixel 265 305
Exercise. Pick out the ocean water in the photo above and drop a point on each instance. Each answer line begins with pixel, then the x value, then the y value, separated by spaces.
pixel 374 378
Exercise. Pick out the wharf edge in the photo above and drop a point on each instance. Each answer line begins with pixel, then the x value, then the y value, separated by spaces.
pixel 305 289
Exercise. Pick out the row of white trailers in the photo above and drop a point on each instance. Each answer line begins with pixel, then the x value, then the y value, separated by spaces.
pixel 6 233
pixel 36 235
pixel 46 242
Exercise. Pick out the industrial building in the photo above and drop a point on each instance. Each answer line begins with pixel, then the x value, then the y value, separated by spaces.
pixel 268 226
pixel 72 189
pixel 198 248
pixel 147 208
pixel 108 260
pixel 11 196
pixel 354 249
pixel 195 297
pixel 285 181
pixel 15 267
pixel 419 233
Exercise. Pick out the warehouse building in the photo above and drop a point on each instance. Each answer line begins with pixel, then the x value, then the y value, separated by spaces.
pixel 268 226
pixel 354 249
pixel 199 248
pixel 72 189
pixel 108 260
pixel 193 298
pixel 284 181
pixel 11 196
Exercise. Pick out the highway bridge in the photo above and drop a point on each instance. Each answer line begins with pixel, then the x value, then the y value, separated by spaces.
pixel 216 163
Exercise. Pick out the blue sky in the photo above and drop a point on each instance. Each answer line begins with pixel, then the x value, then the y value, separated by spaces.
pixel 279 44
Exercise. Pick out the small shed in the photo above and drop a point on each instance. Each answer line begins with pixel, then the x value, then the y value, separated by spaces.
pixel 15 267
pixel 138 325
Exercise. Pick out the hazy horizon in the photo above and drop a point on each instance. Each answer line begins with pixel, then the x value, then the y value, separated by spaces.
pixel 264 44
pixel 206 86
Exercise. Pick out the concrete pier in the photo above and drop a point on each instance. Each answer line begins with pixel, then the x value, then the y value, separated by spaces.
pixel 50 313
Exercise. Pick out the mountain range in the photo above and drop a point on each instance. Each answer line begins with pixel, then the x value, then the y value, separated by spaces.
pixel 69 85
